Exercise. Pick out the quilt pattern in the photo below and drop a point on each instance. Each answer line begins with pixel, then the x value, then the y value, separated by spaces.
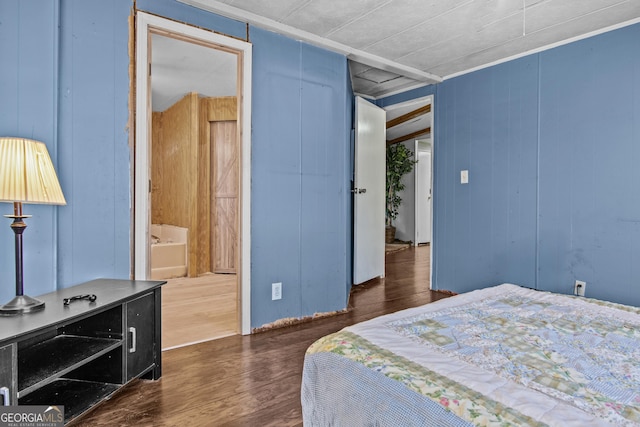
pixel 586 357
pixel 462 401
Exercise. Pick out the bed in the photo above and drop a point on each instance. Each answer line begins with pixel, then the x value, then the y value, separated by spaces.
pixel 501 356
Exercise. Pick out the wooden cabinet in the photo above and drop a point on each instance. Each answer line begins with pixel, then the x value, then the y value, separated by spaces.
pixel 79 354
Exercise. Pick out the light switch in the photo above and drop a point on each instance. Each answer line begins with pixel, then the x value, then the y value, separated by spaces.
pixel 464 177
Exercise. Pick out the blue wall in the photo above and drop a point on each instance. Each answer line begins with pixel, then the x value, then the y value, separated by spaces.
pixel 299 184
pixel 65 81
pixel 552 144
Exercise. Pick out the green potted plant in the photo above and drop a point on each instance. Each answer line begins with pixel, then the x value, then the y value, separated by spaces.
pixel 399 162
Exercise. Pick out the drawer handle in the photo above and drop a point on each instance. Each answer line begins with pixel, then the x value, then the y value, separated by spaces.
pixel 134 338
pixel 6 399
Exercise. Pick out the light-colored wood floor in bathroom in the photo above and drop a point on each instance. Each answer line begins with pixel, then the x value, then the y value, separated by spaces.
pixel 198 309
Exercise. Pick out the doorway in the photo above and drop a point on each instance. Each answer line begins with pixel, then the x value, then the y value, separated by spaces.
pixel 411 123
pixel 192 172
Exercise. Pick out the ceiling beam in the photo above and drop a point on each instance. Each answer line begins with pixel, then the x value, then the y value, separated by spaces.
pixel 412 135
pixel 408 116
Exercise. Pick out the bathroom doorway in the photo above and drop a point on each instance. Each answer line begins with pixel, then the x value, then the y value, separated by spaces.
pixel 194 201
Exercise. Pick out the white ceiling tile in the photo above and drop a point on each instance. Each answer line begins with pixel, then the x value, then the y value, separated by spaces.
pixel 541 38
pixel 390 20
pixel 466 20
pixel 466 44
pixel 556 13
pixel 277 10
pixel 378 76
pixel 321 17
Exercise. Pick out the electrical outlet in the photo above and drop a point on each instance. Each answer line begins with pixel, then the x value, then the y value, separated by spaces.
pixel 276 291
pixel 580 288
pixel 464 177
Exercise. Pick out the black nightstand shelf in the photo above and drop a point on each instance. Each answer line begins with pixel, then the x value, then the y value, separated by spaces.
pixel 80 354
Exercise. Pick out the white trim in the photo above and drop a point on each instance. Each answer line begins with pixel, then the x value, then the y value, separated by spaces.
pixel 141 181
pixel 141 155
pixel 297 34
pixel 416 146
pixel 433 188
pixel 546 47
pixel 427 99
pixel 247 67
pixel 365 96
pixel 402 90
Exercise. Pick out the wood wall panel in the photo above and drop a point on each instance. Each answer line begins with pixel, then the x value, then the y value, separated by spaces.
pixel 204 189
pixel 174 155
pixel 221 109
pixel 156 167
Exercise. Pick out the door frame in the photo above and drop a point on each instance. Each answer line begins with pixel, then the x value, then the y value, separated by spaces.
pixel 145 25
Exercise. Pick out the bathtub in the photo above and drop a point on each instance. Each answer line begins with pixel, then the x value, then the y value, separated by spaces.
pixel 168 251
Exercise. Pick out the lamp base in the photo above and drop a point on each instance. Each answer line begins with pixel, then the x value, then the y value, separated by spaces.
pixel 21 304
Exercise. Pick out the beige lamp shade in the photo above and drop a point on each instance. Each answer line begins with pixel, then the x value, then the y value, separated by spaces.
pixel 27 174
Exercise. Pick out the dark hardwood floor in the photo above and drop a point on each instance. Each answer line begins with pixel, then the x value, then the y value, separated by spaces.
pixel 255 380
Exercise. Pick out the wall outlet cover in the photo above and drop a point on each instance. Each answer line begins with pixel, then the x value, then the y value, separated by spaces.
pixel 276 291
pixel 579 288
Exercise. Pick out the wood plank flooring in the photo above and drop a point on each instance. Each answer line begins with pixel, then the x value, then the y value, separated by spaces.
pixel 255 380
pixel 199 309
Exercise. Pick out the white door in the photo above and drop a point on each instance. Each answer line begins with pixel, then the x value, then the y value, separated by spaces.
pixel 423 197
pixel 369 192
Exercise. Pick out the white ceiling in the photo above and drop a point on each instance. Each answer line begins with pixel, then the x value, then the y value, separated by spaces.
pixel 397 44
pixel 179 67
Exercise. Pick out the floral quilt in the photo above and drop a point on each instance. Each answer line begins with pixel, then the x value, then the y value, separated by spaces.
pixel 508 356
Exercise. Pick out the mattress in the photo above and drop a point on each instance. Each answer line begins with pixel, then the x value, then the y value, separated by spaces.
pixel 501 356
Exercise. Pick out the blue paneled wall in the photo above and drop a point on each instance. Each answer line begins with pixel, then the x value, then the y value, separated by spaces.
pixel 93 235
pixel 552 144
pixel 484 231
pixel 65 80
pixel 589 204
pixel 300 186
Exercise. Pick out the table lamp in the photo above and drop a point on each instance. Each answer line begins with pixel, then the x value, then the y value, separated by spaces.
pixel 26 176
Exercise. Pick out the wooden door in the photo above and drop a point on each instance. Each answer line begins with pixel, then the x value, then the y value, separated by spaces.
pixel 224 200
